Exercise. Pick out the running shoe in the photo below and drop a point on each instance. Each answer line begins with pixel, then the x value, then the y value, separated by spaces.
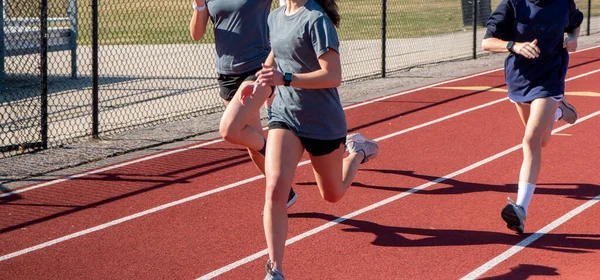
pixel 273 274
pixel 514 216
pixel 292 197
pixel 357 143
pixel 569 114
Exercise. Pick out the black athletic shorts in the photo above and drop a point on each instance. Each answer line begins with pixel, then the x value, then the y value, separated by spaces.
pixel 315 147
pixel 229 84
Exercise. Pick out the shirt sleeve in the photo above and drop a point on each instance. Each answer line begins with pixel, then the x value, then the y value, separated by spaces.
pixel 324 36
pixel 575 17
pixel 501 23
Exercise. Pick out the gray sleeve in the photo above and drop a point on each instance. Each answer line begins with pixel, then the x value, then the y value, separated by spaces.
pixel 324 36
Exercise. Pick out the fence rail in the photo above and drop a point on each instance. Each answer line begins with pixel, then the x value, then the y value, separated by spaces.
pixel 103 67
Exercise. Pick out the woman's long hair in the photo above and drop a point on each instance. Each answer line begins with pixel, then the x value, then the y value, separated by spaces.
pixel 332 10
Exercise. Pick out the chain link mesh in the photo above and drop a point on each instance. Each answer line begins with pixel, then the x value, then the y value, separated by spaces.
pixel 151 71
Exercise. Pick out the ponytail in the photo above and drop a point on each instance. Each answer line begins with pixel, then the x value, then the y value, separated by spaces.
pixel 332 10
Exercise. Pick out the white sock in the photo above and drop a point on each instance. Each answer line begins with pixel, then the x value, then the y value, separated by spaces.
pixel 558 114
pixel 525 194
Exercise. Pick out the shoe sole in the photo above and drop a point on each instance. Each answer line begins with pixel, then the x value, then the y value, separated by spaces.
pixel 570 107
pixel 511 218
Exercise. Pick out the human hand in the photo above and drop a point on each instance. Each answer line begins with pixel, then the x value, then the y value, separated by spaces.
pixel 269 76
pixel 248 90
pixel 200 3
pixel 527 49
pixel 570 44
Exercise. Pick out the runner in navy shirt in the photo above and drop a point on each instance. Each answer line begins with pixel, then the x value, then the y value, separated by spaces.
pixel 533 33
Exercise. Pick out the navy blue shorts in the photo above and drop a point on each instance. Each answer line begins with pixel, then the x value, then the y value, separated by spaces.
pixel 315 147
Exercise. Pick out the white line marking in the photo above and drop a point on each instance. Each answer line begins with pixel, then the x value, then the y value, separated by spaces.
pixel 220 189
pixel 158 155
pixel 527 241
pixel 213 191
pixel 384 202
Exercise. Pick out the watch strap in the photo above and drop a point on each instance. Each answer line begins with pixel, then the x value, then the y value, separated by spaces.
pixel 287 79
pixel 198 8
pixel 510 45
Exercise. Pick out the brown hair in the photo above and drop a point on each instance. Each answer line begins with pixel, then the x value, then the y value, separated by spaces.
pixel 332 10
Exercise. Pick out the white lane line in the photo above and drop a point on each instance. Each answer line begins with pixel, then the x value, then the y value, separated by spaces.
pixel 158 155
pixel 325 226
pixel 220 189
pixel 527 241
pixel 213 191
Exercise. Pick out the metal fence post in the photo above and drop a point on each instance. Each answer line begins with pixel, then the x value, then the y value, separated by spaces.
pixel 44 71
pixel 95 87
pixel 589 15
pixel 475 12
pixel 383 36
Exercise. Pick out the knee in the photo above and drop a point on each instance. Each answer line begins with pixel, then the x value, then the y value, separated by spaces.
pixel 276 196
pixel 332 197
pixel 532 141
pixel 226 131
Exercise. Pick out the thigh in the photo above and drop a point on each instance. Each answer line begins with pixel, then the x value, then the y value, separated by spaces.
pixel 237 114
pixel 328 170
pixel 284 151
pixel 523 109
pixel 541 116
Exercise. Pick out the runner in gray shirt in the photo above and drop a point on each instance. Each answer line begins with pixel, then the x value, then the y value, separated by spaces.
pixel 242 44
pixel 307 114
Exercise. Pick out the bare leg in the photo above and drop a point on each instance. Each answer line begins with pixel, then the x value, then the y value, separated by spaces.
pixel 241 124
pixel 284 151
pixel 334 174
pixel 538 127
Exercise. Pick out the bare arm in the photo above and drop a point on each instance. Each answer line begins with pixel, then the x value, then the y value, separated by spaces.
pixel 270 61
pixel 329 76
pixel 526 49
pixel 199 21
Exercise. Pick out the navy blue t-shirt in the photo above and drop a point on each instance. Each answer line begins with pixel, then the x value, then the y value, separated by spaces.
pixel 524 21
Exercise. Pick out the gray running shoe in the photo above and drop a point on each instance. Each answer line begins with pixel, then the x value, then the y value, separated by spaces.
pixel 357 143
pixel 514 216
pixel 273 274
pixel 569 114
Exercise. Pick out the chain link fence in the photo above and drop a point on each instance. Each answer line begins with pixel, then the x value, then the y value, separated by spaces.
pixel 75 69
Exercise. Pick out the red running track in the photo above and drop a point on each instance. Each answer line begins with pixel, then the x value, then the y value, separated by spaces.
pixel 427 208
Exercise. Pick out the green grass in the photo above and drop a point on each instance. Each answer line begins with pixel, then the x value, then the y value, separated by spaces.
pixel 167 22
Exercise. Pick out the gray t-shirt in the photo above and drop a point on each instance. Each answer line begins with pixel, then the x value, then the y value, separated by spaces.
pixel 297 42
pixel 241 35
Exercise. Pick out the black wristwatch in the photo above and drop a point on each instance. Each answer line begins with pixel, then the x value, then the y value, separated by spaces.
pixel 510 45
pixel 287 79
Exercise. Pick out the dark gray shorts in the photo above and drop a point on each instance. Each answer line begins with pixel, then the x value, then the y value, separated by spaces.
pixel 229 84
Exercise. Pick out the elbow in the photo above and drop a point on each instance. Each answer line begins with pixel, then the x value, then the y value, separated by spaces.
pixel 196 36
pixel 336 80
pixel 485 46
pixel 337 83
